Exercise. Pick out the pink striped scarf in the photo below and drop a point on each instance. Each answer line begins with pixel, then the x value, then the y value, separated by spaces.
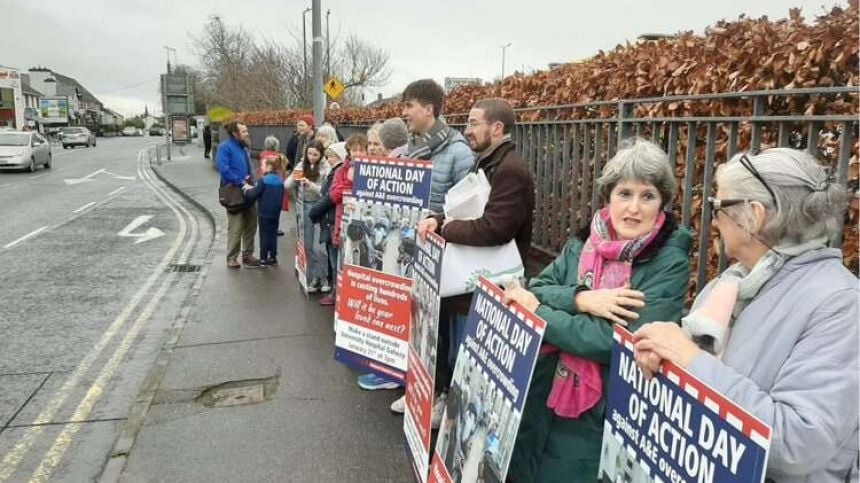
pixel 603 263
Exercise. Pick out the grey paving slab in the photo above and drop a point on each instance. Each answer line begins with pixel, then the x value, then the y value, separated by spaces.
pixel 283 440
pixel 246 304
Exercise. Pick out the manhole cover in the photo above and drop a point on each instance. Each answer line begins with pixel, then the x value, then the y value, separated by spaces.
pixel 238 393
pixel 183 268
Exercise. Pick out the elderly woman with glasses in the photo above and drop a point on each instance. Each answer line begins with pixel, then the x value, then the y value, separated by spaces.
pixel 777 332
pixel 631 266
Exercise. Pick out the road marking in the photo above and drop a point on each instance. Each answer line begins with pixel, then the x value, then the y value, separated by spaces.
pixel 13 457
pixel 62 442
pixel 116 191
pixel 149 234
pixel 5 185
pixel 91 203
pixel 117 176
pixel 38 176
pixel 90 176
pixel 70 182
pixel 25 237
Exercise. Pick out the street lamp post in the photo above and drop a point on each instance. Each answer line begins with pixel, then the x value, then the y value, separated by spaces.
pixel 168 49
pixel 164 100
pixel 305 52
pixel 327 46
pixel 504 48
pixel 317 91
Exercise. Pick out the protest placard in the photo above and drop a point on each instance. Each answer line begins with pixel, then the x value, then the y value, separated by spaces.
pixel 421 374
pixel 488 391
pixel 374 300
pixel 674 428
pixel 301 258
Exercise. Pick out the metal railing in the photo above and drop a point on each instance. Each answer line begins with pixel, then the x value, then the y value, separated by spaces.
pixel 567 146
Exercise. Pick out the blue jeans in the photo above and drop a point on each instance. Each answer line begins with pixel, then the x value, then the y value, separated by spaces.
pixel 457 325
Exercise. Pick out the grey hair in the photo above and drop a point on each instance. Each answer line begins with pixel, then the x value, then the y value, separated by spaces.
pixel 640 160
pixel 808 204
pixel 271 143
pixel 329 133
pixel 375 128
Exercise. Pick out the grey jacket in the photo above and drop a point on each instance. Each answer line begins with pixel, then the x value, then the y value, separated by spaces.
pixel 792 361
pixel 452 161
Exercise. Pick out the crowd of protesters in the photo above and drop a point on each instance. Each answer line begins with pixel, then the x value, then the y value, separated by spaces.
pixel 776 332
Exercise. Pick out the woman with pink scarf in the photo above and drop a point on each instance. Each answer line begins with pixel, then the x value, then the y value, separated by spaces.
pixel 631 267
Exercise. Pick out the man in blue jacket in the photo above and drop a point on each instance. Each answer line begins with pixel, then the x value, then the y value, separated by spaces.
pixel 235 167
pixel 431 138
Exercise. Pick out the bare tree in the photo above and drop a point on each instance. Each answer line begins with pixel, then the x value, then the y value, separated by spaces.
pixel 246 74
pixel 360 65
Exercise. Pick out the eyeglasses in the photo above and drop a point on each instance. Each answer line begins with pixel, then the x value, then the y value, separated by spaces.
pixel 746 163
pixel 718 204
pixel 474 124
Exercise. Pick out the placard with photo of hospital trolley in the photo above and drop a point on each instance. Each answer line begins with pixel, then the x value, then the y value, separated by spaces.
pixel 491 378
pixel 423 334
pixel 674 427
pixel 377 248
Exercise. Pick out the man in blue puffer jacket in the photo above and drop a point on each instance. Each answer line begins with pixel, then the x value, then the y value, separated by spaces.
pixel 431 138
pixel 269 195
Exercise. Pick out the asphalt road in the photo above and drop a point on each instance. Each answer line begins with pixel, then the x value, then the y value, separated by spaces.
pixel 88 292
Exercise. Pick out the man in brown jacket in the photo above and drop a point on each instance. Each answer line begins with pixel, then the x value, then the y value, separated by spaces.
pixel 507 214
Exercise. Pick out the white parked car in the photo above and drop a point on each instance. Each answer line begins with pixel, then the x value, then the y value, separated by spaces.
pixel 77 136
pixel 24 150
pixel 132 131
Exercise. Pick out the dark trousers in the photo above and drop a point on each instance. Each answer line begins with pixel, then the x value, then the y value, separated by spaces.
pixel 332 265
pixel 269 238
pixel 207 147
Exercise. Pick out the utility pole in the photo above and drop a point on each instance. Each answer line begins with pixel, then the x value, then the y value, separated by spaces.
pixel 305 53
pixel 318 96
pixel 327 46
pixel 164 112
pixel 504 48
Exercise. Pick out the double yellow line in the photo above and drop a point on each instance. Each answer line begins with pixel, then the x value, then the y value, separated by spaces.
pixel 54 455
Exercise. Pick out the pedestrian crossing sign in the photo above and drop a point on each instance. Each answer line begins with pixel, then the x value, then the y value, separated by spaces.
pixel 334 87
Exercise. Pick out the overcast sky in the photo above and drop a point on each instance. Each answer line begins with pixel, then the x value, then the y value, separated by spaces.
pixel 114 48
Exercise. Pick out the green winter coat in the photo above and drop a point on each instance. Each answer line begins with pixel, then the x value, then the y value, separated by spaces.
pixel 554 449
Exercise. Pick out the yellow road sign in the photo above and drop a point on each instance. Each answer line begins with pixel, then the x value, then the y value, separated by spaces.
pixel 334 87
pixel 219 113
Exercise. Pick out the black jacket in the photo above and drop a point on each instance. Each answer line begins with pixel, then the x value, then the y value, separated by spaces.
pixel 323 211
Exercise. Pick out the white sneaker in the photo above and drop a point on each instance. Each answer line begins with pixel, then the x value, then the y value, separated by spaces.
pixel 438 410
pixel 314 286
pixel 399 406
pixel 326 288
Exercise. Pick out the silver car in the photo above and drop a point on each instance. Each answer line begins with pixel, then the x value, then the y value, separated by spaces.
pixel 24 150
pixel 77 136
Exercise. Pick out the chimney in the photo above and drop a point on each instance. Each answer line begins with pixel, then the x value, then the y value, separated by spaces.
pixel 379 97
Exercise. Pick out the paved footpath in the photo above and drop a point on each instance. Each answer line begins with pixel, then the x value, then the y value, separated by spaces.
pixel 246 387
